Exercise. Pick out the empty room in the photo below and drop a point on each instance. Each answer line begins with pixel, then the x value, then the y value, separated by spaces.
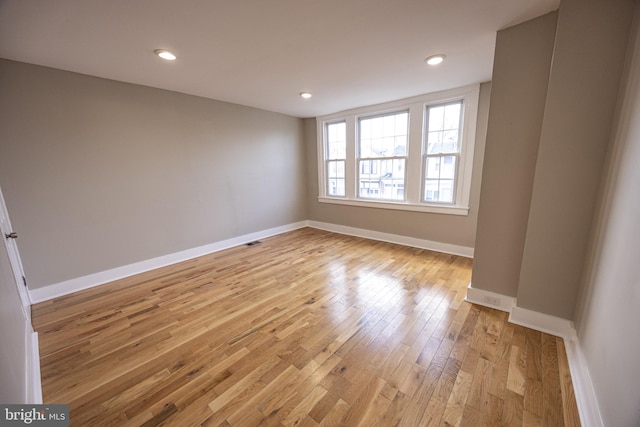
pixel 305 213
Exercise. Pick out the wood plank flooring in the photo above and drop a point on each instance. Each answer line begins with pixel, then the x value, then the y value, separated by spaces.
pixel 307 328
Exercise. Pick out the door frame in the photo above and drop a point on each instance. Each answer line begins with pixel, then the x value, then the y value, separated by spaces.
pixel 14 258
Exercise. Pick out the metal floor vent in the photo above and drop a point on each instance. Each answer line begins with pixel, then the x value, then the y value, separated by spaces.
pixel 255 242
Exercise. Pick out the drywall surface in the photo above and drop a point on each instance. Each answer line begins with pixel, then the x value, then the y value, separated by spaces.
pixel 451 229
pixel 589 52
pixel 522 61
pixel 98 174
pixel 608 315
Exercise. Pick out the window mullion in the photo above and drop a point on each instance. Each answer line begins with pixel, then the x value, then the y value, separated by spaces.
pixel 351 164
pixel 414 153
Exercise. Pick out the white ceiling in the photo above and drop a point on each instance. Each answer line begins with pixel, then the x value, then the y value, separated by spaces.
pixel 263 53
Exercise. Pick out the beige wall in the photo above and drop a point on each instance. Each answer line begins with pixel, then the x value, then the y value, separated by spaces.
pixel 451 229
pixel 554 224
pixel 520 77
pixel 607 312
pixel 589 53
pixel 99 174
pixel 538 196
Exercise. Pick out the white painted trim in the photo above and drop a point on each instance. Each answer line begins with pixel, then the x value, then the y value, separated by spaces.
pixel 400 206
pixel 74 285
pixel 14 258
pixel 586 400
pixel 394 238
pixel 541 322
pixel 33 382
pixel 85 282
pixel 490 299
pixel 582 386
pixel 470 95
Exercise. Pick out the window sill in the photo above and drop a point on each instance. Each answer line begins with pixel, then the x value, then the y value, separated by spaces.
pixel 401 206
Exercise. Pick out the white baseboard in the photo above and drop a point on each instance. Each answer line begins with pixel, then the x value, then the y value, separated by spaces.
pixel 584 392
pixel 582 385
pixel 85 282
pixel 34 385
pixel 541 322
pixel 490 299
pixel 446 248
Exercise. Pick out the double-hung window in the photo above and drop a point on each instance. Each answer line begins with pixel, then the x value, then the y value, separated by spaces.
pixel 413 154
pixel 382 156
pixel 336 137
pixel 441 151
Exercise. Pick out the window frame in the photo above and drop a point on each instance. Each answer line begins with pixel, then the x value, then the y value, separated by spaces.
pixel 442 155
pixel 359 157
pixel 328 159
pixel 414 166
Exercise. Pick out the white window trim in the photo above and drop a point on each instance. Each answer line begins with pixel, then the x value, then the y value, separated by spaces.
pixel 414 168
pixel 358 158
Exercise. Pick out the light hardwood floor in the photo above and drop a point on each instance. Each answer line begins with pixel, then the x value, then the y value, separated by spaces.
pixel 306 328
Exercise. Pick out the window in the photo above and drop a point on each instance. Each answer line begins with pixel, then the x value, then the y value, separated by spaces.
pixel 382 155
pixel 441 151
pixel 412 154
pixel 336 153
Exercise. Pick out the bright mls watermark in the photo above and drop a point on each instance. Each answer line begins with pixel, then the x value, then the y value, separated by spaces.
pixel 34 415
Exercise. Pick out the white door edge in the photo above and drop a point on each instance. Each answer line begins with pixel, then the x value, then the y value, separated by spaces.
pixel 14 258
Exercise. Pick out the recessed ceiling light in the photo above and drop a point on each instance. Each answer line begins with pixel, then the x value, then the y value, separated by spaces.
pixel 165 54
pixel 435 59
pixel 306 95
